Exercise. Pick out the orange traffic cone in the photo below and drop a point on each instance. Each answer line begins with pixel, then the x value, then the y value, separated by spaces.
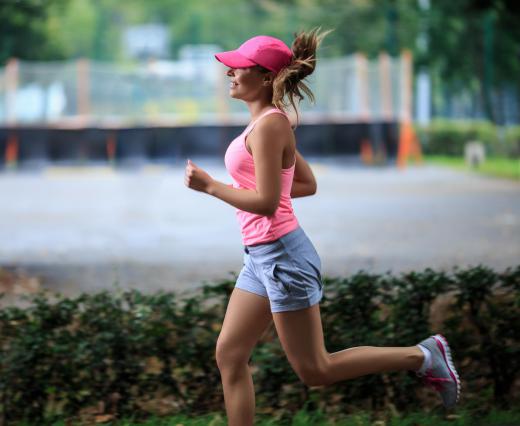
pixel 11 150
pixel 367 156
pixel 111 147
pixel 408 145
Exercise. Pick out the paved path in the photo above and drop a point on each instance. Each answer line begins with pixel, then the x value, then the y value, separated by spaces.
pixel 83 229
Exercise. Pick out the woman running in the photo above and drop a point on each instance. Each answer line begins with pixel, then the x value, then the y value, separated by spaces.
pixel 281 277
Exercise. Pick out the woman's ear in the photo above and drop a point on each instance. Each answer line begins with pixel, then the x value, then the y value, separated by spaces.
pixel 268 79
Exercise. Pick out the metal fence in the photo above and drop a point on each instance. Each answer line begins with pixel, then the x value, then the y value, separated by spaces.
pixel 88 93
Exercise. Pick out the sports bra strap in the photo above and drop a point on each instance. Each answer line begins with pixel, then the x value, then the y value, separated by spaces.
pixel 253 123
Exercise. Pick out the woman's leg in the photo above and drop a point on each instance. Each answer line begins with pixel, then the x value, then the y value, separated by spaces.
pixel 247 317
pixel 301 335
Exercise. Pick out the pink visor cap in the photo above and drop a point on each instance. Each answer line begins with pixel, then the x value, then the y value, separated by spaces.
pixel 268 52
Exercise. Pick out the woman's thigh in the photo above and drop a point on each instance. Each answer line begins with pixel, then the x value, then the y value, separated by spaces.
pixel 301 335
pixel 247 317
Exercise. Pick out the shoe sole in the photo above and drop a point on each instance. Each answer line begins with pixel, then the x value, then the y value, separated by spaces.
pixel 442 343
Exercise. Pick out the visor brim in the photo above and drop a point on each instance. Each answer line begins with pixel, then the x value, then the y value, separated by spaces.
pixel 233 59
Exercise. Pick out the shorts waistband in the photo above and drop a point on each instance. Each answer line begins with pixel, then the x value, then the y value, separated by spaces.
pixel 287 238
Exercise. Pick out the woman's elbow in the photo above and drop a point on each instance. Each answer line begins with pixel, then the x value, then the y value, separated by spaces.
pixel 270 209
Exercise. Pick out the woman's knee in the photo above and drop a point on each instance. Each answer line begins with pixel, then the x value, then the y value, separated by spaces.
pixel 230 355
pixel 312 374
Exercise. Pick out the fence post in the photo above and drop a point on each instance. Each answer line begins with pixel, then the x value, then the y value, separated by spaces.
pixel 12 70
pixel 362 78
pixel 222 95
pixel 83 89
pixel 222 107
pixel 385 86
pixel 408 143
pixel 11 86
pixel 361 62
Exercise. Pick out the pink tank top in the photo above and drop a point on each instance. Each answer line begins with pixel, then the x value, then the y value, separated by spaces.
pixel 240 165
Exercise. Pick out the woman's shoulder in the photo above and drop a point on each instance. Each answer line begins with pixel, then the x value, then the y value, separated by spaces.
pixel 276 120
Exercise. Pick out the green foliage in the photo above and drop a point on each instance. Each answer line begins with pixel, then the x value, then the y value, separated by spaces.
pixel 490 304
pixel 512 139
pixel 23 33
pixel 508 168
pixel 152 354
pixel 302 418
pixel 94 29
pixel 448 137
pixel 471 44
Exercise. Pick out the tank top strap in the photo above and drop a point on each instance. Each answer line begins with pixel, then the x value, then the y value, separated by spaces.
pixel 253 123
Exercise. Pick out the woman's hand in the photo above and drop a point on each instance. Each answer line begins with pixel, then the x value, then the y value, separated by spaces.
pixel 196 178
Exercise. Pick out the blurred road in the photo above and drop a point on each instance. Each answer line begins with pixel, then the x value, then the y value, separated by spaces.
pixel 83 229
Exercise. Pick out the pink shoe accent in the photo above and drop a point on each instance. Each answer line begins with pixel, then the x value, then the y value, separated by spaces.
pixel 435 382
pixel 441 347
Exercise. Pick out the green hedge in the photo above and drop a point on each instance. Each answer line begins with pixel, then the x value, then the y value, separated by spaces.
pixel 448 137
pixel 134 354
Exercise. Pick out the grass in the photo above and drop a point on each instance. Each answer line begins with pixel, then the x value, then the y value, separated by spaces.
pixel 462 418
pixel 501 167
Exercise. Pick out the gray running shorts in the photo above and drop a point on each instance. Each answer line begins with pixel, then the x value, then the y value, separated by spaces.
pixel 287 271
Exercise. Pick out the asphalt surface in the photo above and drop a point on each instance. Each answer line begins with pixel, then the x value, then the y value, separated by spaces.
pixel 93 228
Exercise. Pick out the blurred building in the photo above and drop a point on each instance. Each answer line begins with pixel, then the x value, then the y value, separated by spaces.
pixel 146 41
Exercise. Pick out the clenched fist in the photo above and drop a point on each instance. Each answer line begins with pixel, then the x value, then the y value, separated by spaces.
pixel 196 178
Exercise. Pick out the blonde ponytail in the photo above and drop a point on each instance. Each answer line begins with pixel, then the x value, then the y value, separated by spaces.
pixel 289 81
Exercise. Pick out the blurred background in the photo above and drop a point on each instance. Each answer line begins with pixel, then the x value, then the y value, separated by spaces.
pixel 414 137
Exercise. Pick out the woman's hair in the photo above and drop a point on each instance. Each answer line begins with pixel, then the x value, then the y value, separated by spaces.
pixel 289 81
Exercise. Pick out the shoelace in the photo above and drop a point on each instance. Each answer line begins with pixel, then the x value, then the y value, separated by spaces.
pixel 435 382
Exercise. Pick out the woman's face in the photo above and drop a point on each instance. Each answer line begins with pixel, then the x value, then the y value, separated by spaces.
pixel 247 84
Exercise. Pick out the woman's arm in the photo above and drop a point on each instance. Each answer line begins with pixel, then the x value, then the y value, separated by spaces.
pixel 304 182
pixel 241 198
pixel 267 141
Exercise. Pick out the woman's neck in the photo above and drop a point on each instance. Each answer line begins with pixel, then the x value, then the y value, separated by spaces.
pixel 258 108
